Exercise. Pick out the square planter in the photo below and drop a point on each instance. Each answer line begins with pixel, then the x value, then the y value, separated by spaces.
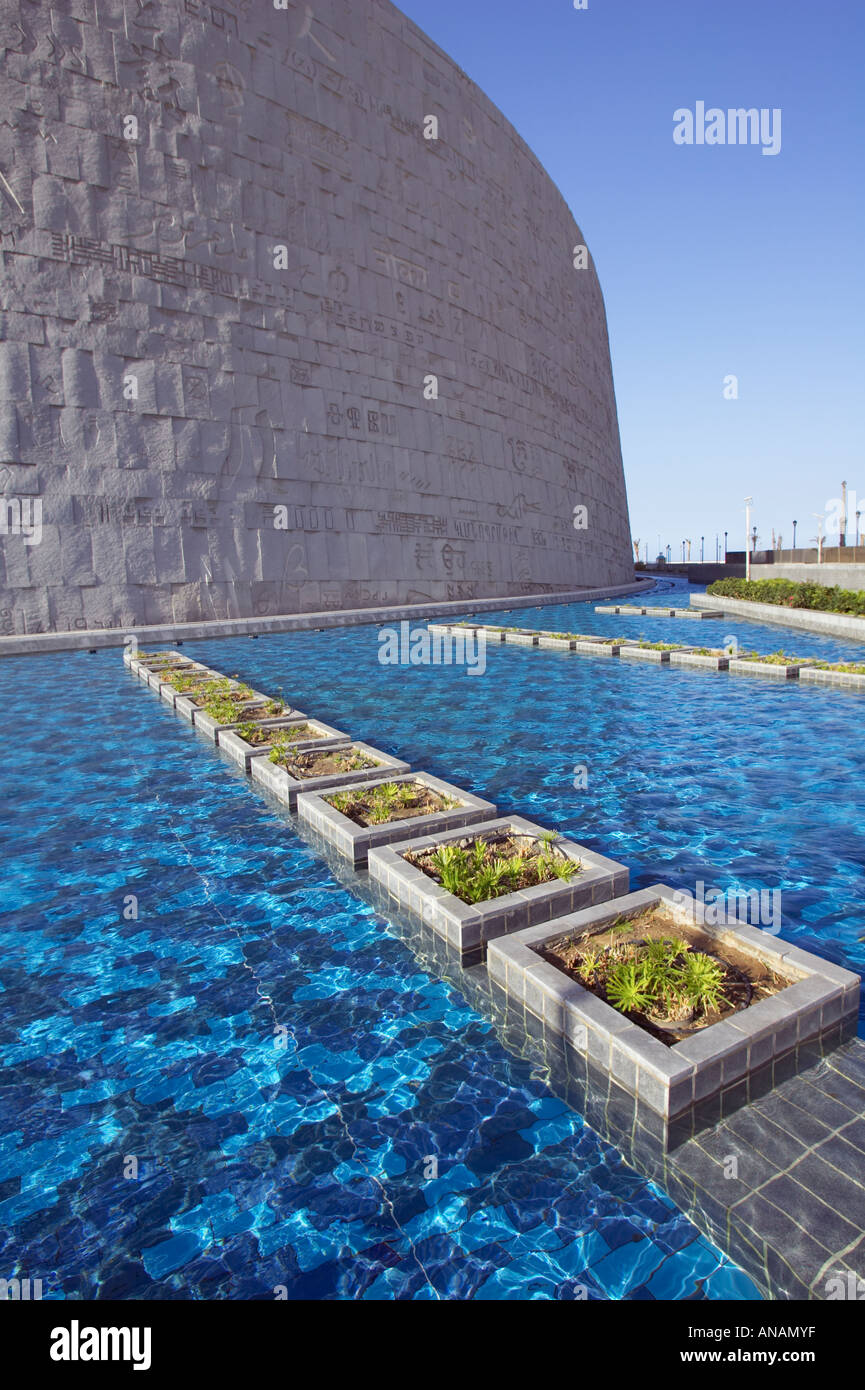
pixel 278 780
pixel 253 712
pixel 624 608
pixel 849 680
pixel 524 637
pixel 189 702
pixel 142 667
pixel 699 613
pixel 714 1061
pixel 558 644
pixel 157 682
pixel 468 927
pixel 698 659
pixel 661 658
pixel 599 648
pixel 356 841
pixel 243 753
pixel 788 671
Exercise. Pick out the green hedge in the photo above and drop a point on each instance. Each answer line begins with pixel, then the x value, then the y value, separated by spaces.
pixel 791 595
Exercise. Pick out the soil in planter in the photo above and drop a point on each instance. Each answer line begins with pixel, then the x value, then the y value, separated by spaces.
pixel 260 736
pixel 392 801
pixel 591 957
pixel 479 868
pixel 775 659
pixel 306 765
pixel 245 710
pixel 185 680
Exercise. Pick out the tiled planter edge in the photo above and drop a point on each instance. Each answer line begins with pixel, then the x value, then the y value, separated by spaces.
pixel 287 788
pixel 674 1080
pixel 356 841
pixel 468 927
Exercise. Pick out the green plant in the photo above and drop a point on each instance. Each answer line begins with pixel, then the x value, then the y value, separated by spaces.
pixel 590 963
pixel 282 740
pixel 785 592
pixel 559 866
pixel 628 987
pixel 250 732
pixel 701 981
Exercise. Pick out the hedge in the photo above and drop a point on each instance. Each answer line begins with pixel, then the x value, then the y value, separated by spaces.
pixel 789 594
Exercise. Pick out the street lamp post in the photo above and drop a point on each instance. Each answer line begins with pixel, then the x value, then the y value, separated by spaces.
pixel 795 524
pixel 819 518
pixel 748 501
pixel 725 547
pixel 702 538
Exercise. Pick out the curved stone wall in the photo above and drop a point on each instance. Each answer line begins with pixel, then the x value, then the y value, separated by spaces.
pixel 217 427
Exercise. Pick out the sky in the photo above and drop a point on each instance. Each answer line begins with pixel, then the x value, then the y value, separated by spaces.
pixel 716 261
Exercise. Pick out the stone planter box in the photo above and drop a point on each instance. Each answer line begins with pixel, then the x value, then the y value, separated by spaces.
pixel 526 637
pixel 468 927
pixel 658 612
pixel 252 712
pixel 356 841
pixel 661 658
pixel 189 704
pixel 709 663
pixel 244 753
pixel 153 675
pixel 626 608
pixel 558 644
pixel 848 679
pixel 286 788
pixel 599 648
pixel 168 692
pixel 720 1060
pixel 789 671
pixel 493 634
pixel 142 668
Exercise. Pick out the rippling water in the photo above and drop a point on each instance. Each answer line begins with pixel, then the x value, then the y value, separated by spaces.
pixel 161 921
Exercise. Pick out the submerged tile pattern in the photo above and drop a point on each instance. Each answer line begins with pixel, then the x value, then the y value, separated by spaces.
pixel 262 1167
pixel 148 1004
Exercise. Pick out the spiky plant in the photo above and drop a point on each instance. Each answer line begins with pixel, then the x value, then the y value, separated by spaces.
pixel 628 988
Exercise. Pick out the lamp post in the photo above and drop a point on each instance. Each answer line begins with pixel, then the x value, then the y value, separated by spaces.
pixel 725 547
pixel 842 537
pixel 683 552
pixel 717 548
pixel 748 501
pixel 858 514
pixel 795 524
pixel 702 538
pixel 819 518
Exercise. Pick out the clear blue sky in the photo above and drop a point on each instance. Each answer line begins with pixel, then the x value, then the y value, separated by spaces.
pixel 713 260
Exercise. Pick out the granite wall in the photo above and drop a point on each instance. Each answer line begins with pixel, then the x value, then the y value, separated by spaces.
pixel 232 265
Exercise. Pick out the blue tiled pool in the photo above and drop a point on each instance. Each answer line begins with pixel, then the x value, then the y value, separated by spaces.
pixel 157 1142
